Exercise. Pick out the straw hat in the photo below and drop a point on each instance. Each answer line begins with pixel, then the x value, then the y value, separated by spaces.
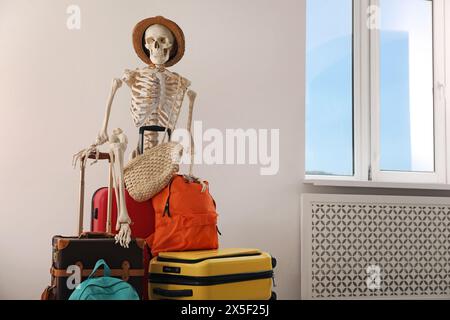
pixel 177 51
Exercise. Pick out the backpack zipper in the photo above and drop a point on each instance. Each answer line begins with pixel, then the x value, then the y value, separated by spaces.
pixel 166 208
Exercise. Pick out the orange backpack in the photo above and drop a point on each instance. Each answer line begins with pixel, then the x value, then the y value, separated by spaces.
pixel 186 217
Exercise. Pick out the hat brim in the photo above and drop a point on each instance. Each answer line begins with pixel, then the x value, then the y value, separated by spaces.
pixel 143 53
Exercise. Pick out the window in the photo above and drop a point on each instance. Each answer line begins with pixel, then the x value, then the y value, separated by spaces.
pixel 329 117
pixel 375 99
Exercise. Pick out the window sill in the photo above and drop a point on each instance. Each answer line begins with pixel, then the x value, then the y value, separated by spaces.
pixel 373 184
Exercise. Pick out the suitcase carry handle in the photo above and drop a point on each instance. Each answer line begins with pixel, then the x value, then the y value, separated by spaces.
pixel 173 293
pixel 96 235
pixel 143 129
pixel 101 156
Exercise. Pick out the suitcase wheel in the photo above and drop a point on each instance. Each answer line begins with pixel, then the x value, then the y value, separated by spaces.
pixel 273 297
pixel 274 263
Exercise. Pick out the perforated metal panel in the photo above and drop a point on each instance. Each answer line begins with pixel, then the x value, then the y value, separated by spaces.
pixel 375 247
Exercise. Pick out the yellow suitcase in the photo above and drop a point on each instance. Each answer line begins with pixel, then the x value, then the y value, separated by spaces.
pixel 224 274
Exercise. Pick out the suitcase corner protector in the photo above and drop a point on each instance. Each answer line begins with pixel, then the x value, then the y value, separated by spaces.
pixel 61 244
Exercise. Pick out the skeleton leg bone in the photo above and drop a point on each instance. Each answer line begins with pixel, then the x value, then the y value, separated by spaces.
pixel 118 144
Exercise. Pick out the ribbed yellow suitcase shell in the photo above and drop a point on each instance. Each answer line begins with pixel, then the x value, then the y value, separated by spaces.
pixel 224 274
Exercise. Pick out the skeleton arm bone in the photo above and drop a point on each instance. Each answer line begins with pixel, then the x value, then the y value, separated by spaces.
pixel 118 144
pixel 102 136
pixel 191 95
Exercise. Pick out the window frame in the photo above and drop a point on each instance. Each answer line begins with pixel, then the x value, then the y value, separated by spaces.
pixel 366 103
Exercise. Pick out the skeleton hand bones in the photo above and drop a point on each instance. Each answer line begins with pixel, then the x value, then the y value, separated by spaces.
pixel 83 154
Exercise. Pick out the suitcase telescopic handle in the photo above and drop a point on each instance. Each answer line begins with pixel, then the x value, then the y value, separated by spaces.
pixel 99 156
pixel 143 129
pixel 173 293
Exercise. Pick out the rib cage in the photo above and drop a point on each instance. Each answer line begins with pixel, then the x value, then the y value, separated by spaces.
pixel 156 99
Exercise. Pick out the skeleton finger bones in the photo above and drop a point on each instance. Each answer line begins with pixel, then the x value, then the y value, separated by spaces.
pixel 83 155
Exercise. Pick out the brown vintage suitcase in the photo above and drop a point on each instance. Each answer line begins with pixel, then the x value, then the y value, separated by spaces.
pixel 81 254
pixel 73 258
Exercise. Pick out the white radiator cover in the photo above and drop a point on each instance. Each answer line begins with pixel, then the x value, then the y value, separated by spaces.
pixel 375 247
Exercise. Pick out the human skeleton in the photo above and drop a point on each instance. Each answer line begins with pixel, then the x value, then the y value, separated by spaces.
pixel 156 99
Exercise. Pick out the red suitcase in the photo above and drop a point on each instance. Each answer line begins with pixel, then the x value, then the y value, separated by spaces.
pixel 141 213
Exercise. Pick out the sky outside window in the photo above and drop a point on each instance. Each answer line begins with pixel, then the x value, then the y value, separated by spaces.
pixel 406 91
pixel 329 88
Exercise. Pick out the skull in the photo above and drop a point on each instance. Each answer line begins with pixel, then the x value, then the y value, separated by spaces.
pixel 159 41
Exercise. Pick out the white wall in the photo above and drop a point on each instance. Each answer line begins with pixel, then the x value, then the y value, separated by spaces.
pixel 245 60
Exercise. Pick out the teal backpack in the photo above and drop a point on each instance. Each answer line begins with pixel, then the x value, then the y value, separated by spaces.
pixel 103 288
